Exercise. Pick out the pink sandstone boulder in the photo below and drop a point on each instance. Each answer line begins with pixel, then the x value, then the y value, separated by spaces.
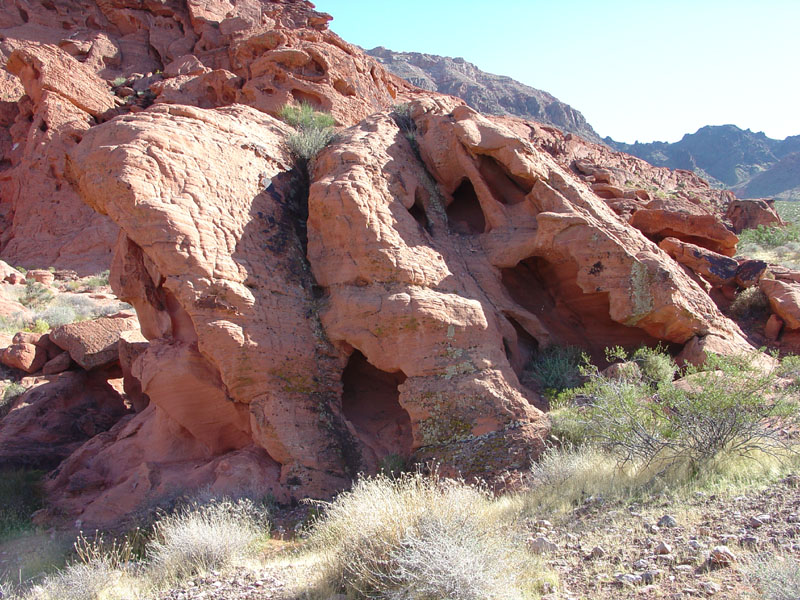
pixel 93 343
pixel 24 356
pixel 784 298
pixel 41 276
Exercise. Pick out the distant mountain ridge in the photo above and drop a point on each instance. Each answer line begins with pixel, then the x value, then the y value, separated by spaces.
pixel 485 92
pixel 750 164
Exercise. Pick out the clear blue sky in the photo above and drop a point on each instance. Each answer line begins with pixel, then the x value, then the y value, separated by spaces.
pixel 636 69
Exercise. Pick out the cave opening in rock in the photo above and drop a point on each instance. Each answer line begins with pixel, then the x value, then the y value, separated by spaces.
pixel 371 402
pixel 571 316
pixel 464 213
pixel 507 188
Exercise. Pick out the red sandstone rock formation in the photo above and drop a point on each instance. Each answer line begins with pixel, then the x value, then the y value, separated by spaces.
pixel 749 214
pixel 294 340
pixel 70 57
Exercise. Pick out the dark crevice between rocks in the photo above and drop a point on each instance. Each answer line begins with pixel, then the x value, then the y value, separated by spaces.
pixel 286 232
pixel 371 403
pixel 464 213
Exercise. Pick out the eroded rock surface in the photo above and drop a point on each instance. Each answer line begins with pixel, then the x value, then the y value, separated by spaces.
pixel 298 331
pixel 80 63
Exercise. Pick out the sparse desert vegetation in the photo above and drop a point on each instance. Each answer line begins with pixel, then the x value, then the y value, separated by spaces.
pixel 651 475
pixel 779 245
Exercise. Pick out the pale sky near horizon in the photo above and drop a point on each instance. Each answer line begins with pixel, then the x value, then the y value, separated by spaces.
pixel 636 69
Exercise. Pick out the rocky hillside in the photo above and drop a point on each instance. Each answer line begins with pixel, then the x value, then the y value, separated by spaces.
pixel 751 164
pixel 485 92
pixel 300 318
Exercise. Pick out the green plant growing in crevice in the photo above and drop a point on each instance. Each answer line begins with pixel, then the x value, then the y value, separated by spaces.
pixel 314 131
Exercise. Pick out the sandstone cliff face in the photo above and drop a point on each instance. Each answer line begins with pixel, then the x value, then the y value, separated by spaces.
pixel 299 332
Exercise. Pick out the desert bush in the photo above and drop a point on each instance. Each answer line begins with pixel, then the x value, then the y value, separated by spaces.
pixel 555 369
pixel 750 303
pixel 199 538
pixel 20 497
pixel 94 580
pixel 96 281
pixel 770 237
pixel 305 116
pixel 11 391
pixel 416 536
pixel 307 143
pixel 314 130
pixel 732 407
pixel 35 295
pixel 55 316
pixel 775 577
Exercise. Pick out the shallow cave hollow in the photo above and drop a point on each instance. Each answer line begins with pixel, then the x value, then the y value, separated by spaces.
pixel 371 402
pixel 464 213
pixel 572 316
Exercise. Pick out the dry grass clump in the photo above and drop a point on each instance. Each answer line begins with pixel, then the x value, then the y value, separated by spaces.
pixel 418 537
pixel 201 538
pixel 775 577
pixel 86 581
pixel 750 303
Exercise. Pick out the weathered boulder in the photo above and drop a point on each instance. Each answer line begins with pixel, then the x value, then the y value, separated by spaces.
pixel 784 298
pixel 237 359
pixel 24 356
pixel 58 364
pixel 696 227
pixel 41 276
pixel 749 214
pixel 93 343
pixel 9 274
pixel 715 268
pixel 749 272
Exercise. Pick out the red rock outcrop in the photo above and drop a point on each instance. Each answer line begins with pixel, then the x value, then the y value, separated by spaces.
pixel 659 202
pixel 49 422
pixel 79 63
pixel 749 214
pixel 300 332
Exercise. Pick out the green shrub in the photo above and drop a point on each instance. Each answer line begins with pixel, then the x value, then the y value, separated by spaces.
pixel 35 295
pixel 96 281
pixel 307 143
pixel 732 407
pixel 770 237
pixel 554 369
pixel 314 130
pixel 38 326
pixel 305 117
